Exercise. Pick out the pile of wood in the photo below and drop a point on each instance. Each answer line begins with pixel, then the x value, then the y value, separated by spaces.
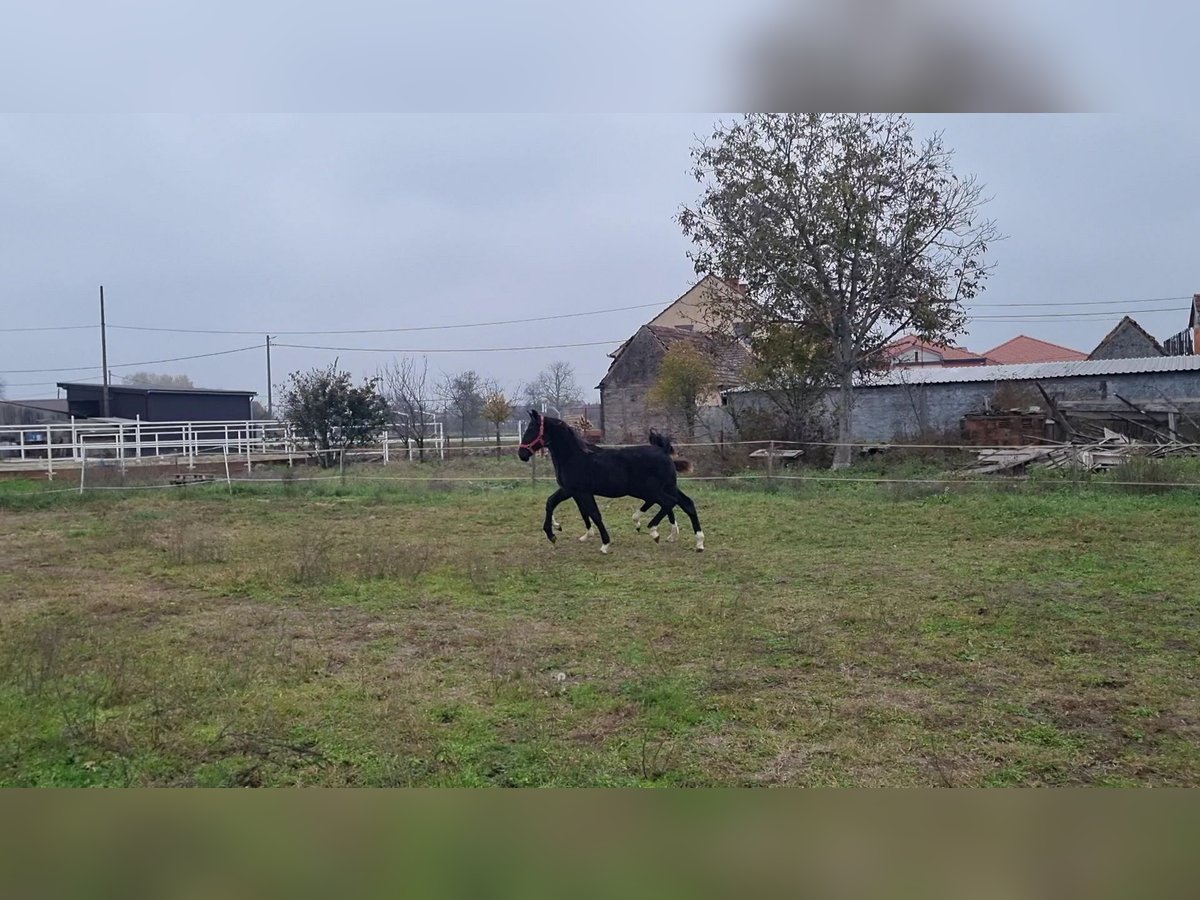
pixel 1110 451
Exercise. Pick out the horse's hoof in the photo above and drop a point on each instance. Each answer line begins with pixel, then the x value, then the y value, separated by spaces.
pixel 551 537
pixel 604 548
pixel 558 526
pixel 674 535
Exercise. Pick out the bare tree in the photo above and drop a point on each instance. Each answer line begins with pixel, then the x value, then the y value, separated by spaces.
pixel 405 386
pixel 847 232
pixel 555 386
pixel 463 395
pixel 158 380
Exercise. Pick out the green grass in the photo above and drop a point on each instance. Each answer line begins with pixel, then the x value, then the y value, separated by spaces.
pixel 396 633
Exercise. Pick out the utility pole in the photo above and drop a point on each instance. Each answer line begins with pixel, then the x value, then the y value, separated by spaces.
pixel 270 405
pixel 104 352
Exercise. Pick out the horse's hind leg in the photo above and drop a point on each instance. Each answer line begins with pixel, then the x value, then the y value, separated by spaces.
pixel 667 510
pixel 644 508
pixel 588 503
pixel 689 508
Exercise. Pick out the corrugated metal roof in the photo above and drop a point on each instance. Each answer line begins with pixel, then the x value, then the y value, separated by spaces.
pixel 1034 371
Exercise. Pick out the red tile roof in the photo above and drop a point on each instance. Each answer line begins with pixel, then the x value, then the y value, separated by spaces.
pixel 1024 349
pixel 949 355
pixel 730 358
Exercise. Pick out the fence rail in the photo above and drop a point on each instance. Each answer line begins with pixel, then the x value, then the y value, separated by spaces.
pixel 42 448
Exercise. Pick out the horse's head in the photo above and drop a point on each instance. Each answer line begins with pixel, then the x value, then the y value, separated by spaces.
pixel 534 438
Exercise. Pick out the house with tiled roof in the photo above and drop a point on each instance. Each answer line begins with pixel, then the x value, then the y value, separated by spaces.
pixel 625 412
pixel 1025 349
pixel 910 350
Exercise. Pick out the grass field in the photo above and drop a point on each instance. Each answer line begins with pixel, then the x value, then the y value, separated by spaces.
pixel 385 634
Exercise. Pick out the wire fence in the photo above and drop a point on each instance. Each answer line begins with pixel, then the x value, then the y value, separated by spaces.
pixel 439 481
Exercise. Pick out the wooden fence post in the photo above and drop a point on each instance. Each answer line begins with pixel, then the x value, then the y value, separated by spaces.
pixel 771 463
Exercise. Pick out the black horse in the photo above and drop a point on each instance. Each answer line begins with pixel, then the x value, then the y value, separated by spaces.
pixel 585 472
pixel 654 439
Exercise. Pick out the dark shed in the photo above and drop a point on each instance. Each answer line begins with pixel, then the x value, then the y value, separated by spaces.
pixel 152 404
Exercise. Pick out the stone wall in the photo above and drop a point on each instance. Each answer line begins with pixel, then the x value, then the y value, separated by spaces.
pixel 903 412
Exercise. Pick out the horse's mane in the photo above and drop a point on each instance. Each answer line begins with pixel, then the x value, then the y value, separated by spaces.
pixel 662 442
pixel 559 424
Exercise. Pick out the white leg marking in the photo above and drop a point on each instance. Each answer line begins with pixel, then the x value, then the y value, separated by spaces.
pixel 699 540
pixel 637 520
pixel 654 533
pixel 604 548
pixel 674 536
pixel 587 534
pixel 554 522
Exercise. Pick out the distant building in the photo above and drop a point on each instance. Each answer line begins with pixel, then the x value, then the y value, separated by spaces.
pixel 1186 342
pixel 152 404
pixel 932 402
pixel 625 411
pixel 1025 349
pixel 1128 340
pixel 910 350
pixel 33 412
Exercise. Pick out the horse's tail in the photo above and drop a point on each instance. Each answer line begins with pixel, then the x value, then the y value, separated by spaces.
pixel 683 465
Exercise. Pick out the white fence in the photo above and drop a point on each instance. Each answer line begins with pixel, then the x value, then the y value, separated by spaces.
pixel 67 444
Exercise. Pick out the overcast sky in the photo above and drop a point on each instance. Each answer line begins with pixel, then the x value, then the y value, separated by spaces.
pixel 289 223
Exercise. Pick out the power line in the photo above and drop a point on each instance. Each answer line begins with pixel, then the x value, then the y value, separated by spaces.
pixel 146 362
pixel 449 349
pixel 594 312
pixel 1038 317
pixel 52 328
pixel 1084 302
pixel 151 362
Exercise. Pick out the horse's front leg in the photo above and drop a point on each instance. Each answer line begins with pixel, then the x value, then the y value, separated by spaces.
pixel 588 527
pixel 588 504
pixel 551 504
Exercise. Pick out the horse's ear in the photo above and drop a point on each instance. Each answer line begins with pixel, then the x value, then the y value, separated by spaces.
pixel 533 414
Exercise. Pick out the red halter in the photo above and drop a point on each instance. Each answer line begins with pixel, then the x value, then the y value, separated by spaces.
pixel 538 442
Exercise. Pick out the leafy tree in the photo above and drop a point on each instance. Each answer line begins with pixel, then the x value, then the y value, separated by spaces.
pixel 497 409
pixel 155 379
pixel 463 396
pixel 325 407
pixel 786 372
pixel 555 386
pixel 685 379
pixel 406 388
pixel 847 232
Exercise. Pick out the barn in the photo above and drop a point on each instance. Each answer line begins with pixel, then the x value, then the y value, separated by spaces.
pixel 933 402
pixel 625 412
pixel 155 404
